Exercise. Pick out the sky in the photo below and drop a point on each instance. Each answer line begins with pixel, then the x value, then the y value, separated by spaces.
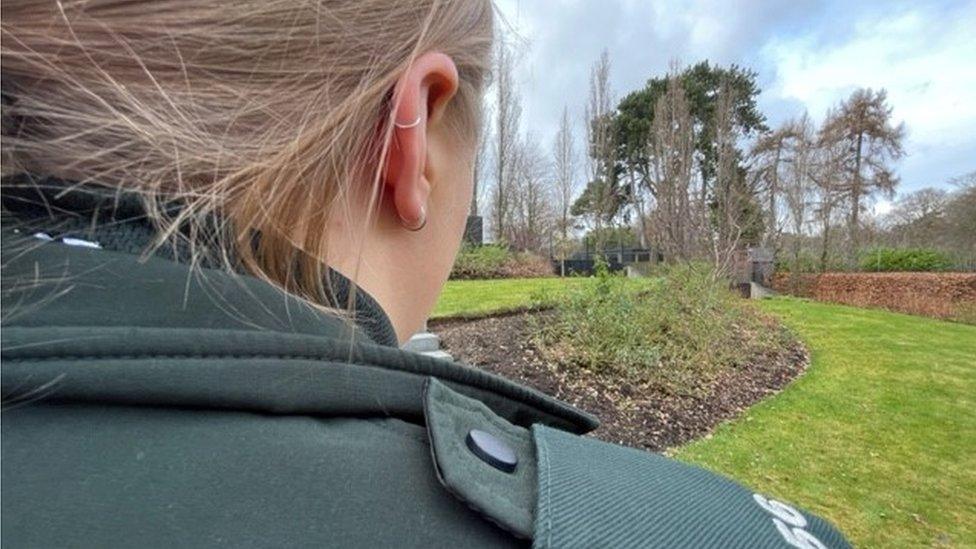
pixel 809 55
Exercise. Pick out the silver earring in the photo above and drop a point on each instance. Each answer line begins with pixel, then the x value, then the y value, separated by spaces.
pixel 407 125
pixel 423 223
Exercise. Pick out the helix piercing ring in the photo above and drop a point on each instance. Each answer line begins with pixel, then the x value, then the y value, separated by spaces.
pixel 407 125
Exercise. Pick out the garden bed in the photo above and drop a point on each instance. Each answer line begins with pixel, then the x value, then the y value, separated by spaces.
pixel 634 414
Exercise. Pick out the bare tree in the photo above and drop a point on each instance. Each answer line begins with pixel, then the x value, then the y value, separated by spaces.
pixel 480 162
pixel 599 137
pixel 921 204
pixel 798 188
pixel 964 182
pixel 730 194
pixel 961 217
pixel 863 125
pixel 508 112
pixel 828 177
pixel 919 218
pixel 530 197
pixel 672 147
pixel 770 156
pixel 564 164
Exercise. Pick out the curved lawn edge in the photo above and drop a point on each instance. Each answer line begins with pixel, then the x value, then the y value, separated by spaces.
pixel 879 435
pixel 447 320
pixel 473 299
pixel 481 298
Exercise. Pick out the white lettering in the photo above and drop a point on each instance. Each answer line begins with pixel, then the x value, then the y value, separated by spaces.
pixel 790 523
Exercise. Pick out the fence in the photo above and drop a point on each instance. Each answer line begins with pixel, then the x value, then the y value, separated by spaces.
pixel 584 262
pixel 582 267
pixel 620 255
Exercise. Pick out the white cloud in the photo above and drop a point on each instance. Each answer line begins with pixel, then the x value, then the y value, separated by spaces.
pixel 927 64
pixel 808 53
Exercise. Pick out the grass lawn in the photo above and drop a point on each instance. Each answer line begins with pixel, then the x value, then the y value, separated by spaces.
pixel 480 297
pixel 473 298
pixel 879 435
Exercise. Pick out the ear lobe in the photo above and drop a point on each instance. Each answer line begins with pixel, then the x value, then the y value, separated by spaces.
pixel 410 200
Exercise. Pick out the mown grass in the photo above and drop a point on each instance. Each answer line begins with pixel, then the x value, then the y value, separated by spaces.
pixel 473 298
pixel 879 435
pixel 481 297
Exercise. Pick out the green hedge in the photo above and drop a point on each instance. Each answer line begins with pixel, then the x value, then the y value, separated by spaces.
pixel 497 261
pixel 881 260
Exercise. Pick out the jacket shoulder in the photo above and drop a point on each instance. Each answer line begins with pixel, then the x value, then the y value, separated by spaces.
pixel 635 498
pixel 569 490
pixel 88 474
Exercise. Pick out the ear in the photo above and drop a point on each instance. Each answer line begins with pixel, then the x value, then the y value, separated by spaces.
pixel 419 100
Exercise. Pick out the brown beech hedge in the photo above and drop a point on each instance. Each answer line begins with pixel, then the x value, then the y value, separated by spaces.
pixel 939 295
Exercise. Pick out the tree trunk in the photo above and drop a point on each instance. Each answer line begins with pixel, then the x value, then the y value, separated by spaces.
pixel 824 246
pixel 855 202
pixel 771 231
pixel 639 210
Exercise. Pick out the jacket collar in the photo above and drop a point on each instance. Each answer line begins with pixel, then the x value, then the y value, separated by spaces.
pixel 108 325
pixel 92 325
pixel 116 221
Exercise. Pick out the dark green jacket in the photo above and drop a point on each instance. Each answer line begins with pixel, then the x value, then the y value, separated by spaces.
pixel 150 405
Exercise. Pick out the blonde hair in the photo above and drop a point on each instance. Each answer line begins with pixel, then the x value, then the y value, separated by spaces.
pixel 264 112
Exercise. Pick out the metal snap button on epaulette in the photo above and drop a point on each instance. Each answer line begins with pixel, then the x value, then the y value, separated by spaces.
pixel 491 450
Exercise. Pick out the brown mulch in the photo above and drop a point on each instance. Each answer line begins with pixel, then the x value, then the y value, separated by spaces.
pixel 638 416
